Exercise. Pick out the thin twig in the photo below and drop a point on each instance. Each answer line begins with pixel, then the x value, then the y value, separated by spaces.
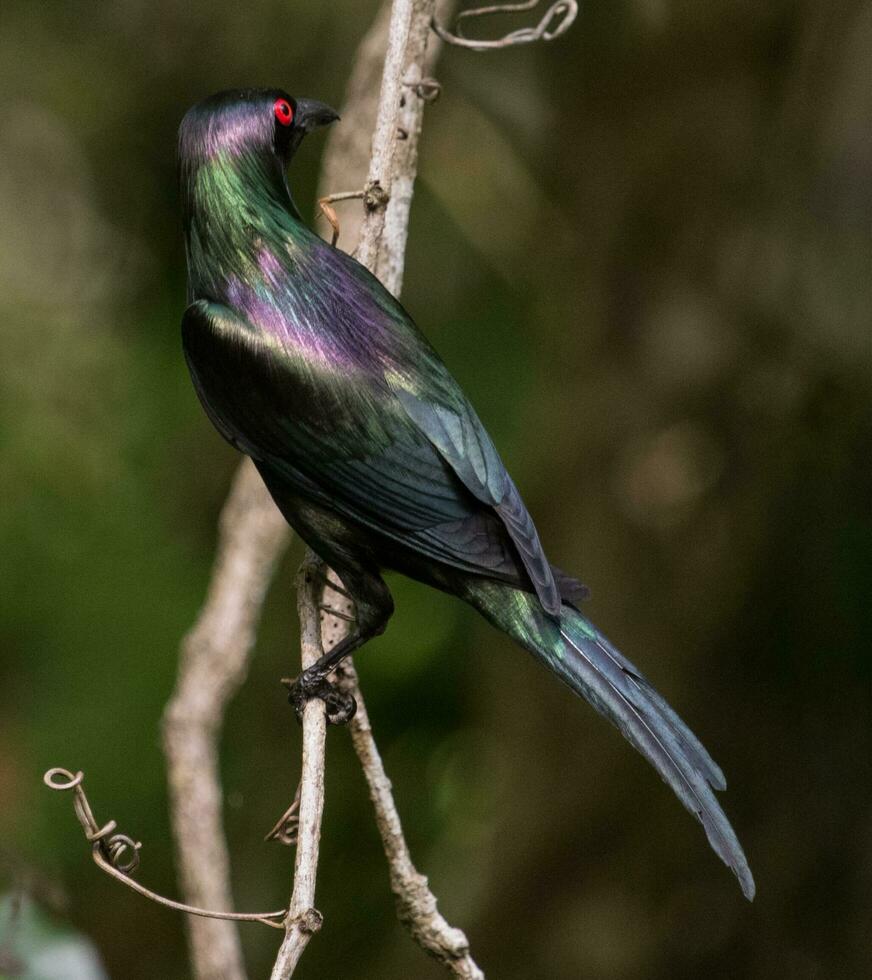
pixel 346 157
pixel 288 825
pixel 303 919
pixel 418 89
pixel 556 20
pixel 407 37
pixel 324 204
pixel 416 903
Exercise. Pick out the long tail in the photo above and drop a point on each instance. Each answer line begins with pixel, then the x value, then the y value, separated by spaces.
pixel 586 661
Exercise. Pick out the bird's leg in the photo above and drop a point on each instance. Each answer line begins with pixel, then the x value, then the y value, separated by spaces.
pixel 321 576
pixel 324 203
pixel 337 613
pixel 314 683
pixel 374 607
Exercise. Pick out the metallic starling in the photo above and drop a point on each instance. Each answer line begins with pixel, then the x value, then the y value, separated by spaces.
pixel 305 362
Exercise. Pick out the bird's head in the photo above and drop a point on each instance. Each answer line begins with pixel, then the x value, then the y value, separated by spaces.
pixel 265 123
pixel 236 146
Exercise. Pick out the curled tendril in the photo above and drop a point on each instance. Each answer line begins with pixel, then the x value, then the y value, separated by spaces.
pixel 118 854
pixel 556 20
pixel 113 847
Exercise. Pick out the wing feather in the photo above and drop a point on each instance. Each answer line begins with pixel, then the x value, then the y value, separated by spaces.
pixel 437 487
pixel 465 445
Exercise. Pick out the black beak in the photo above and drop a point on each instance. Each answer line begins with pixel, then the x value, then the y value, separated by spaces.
pixel 311 114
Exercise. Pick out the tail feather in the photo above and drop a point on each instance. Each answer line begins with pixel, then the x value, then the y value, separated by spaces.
pixel 693 748
pixel 589 664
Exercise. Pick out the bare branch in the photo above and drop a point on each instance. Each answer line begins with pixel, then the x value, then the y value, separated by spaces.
pixel 303 919
pixel 555 21
pixel 416 904
pixel 407 45
pixel 346 158
pixel 416 91
pixel 214 661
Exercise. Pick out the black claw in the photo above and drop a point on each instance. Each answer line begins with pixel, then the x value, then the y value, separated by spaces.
pixel 341 707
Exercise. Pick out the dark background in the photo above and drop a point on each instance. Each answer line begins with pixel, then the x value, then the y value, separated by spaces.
pixel 645 251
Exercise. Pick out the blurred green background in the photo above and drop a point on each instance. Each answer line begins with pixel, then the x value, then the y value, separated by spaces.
pixel 645 250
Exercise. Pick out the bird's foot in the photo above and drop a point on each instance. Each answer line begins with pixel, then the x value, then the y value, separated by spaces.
pixel 340 707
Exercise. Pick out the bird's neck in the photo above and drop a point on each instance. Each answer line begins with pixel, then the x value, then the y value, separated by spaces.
pixel 232 204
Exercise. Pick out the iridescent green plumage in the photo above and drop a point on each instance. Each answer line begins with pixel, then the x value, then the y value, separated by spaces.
pixel 371 450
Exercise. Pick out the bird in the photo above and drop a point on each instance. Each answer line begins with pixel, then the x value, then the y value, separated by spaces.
pixel 307 364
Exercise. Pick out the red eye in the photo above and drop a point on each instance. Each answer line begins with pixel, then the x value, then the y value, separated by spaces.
pixel 283 112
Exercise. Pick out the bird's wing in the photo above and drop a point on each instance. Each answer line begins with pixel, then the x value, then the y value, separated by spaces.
pixel 434 482
pixel 435 403
pixel 462 441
